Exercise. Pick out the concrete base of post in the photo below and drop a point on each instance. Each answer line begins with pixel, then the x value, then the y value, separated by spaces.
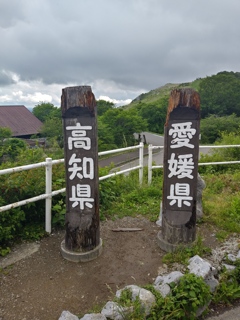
pixel 170 247
pixel 81 256
pixel 164 245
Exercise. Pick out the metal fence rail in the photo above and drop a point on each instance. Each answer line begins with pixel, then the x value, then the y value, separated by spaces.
pixel 48 176
pixel 48 181
pixel 151 167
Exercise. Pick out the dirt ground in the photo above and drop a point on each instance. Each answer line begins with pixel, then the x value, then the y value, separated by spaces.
pixel 41 286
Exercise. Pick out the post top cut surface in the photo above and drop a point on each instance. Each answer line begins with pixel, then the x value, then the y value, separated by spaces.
pixel 80 96
pixel 183 98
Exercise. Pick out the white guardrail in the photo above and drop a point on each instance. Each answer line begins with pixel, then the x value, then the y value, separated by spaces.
pixel 48 176
pixel 151 167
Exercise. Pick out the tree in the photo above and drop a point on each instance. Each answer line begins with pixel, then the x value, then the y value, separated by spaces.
pixel 123 124
pixel 155 115
pixel 52 128
pixel 5 133
pixel 13 147
pixel 220 94
pixel 105 137
pixel 46 110
pixel 213 126
pixel 103 106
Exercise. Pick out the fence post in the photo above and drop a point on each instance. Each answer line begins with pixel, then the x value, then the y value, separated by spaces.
pixel 48 200
pixel 141 162
pixel 150 164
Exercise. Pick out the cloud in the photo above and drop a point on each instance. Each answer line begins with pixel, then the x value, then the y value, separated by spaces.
pixel 116 102
pixel 120 48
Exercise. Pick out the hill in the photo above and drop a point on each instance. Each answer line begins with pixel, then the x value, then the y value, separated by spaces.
pixel 156 95
pixel 220 111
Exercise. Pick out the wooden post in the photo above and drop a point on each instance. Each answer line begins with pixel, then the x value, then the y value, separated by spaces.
pixel 82 240
pixel 181 147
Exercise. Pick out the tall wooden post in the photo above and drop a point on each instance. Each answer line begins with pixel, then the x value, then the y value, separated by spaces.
pixel 181 148
pixel 82 240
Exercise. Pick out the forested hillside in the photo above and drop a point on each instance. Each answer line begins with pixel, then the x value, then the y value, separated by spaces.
pixel 220 112
pixel 220 115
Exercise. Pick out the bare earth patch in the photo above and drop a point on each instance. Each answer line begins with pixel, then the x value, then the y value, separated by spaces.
pixel 42 285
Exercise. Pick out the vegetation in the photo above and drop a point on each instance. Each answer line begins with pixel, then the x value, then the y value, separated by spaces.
pixel 229 287
pixel 122 196
pixel 220 111
pixel 190 294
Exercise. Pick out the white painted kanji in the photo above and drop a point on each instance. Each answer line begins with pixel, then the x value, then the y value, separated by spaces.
pixel 82 168
pixel 79 139
pixel 81 195
pixel 180 194
pixel 181 167
pixel 182 133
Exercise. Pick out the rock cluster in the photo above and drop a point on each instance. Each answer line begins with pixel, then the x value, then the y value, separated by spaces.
pixel 198 266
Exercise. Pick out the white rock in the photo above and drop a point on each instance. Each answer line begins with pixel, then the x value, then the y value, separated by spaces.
pixel 203 268
pixel 161 282
pixel 114 311
pixel 146 298
pixel 228 267
pixel 169 278
pixel 94 316
pixel 164 289
pixel 200 267
pixel 66 315
pixel 231 257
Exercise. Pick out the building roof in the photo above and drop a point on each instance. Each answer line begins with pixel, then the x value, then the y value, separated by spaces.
pixel 20 120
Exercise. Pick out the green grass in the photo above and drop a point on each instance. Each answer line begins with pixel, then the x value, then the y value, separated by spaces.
pixel 123 196
pixel 221 202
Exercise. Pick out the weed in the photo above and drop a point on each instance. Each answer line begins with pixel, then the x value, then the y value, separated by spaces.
pixel 228 289
pixel 135 309
pixel 190 294
pixel 183 253
pixel 59 211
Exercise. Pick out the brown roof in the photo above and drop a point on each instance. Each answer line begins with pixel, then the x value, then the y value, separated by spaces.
pixel 20 120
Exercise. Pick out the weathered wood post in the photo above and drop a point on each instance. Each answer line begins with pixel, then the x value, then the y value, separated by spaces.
pixel 181 147
pixel 82 239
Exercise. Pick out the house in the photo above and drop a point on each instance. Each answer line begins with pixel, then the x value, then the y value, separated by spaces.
pixel 20 120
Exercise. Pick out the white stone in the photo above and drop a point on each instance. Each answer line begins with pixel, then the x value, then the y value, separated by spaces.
pixel 231 257
pixel 161 282
pixel 203 268
pixel 169 278
pixel 146 298
pixel 238 255
pixel 200 267
pixel 66 315
pixel 228 267
pixel 114 311
pixel 164 289
pixel 94 316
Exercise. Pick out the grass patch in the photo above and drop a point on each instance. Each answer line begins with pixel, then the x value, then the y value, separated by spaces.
pixel 221 202
pixel 183 254
pixel 123 196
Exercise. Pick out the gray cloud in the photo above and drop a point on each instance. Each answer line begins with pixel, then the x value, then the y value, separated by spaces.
pixel 5 79
pixel 133 45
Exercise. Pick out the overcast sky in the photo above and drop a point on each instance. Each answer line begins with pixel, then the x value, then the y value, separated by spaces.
pixel 121 48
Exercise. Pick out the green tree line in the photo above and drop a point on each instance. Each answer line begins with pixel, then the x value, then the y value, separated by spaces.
pixel 220 112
